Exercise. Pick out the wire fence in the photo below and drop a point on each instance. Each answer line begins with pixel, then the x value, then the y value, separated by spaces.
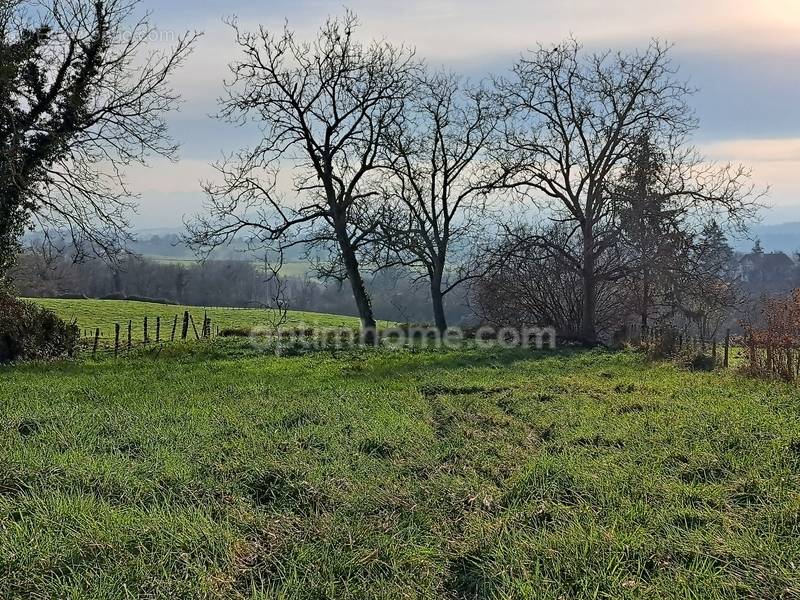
pixel 124 336
pixel 724 351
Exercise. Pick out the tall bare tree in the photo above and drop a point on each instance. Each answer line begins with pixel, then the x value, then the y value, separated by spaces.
pixel 574 120
pixel 323 108
pixel 439 183
pixel 81 98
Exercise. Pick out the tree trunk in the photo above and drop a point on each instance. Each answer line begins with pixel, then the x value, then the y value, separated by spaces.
pixel 589 313
pixel 645 307
pixel 10 233
pixel 437 300
pixel 116 279
pixel 363 303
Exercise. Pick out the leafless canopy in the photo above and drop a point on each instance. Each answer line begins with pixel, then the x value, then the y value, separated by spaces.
pixel 323 108
pixel 438 186
pixel 574 120
pixel 82 99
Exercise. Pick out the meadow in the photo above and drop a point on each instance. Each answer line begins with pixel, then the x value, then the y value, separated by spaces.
pixel 215 471
pixel 290 268
pixel 104 314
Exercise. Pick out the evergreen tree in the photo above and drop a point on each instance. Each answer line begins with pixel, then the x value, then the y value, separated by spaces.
pixel 707 291
pixel 652 236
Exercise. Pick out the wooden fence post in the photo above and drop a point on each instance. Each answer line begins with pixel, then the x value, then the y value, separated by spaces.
pixel 130 331
pixel 96 340
pixel 185 330
pixel 194 327
pixel 146 334
pixel 174 328
pixel 116 340
pixel 725 360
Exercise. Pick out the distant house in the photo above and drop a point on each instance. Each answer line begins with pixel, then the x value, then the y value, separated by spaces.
pixel 760 269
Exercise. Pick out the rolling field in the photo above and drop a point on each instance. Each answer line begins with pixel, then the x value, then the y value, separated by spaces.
pixel 290 268
pixel 216 472
pixel 91 314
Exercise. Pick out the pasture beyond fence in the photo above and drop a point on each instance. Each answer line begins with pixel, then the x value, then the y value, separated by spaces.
pixel 124 336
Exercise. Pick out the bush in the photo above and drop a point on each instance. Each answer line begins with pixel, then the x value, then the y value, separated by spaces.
pixel 700 362
pixel 774 350
pixel 30 332
pixel 236 332
pixel 120 296
pixel 665 344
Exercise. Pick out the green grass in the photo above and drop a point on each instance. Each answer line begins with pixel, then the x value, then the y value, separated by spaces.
pixel 290 268
pixel 103 314
pixel 215 472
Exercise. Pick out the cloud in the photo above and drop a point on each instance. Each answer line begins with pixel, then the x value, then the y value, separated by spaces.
pixel 164 176
pixel 774 163
pixel 757 150
pixel 465 29
pixel 741 54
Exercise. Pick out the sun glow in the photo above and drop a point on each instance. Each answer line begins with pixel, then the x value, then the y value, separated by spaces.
pixel 781 14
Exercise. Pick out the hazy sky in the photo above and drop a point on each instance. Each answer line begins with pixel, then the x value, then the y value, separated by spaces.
pixel 743 55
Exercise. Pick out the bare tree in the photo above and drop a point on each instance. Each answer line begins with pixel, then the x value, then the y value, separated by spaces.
pixel 439 184
pixel 277 305
pixel 574 120
pixel 534 285
pixel 81 98
pixel 323 108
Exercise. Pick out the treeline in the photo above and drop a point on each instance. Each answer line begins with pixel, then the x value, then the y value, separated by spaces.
pixel 701 291
pixel 234 283
pixel 529 287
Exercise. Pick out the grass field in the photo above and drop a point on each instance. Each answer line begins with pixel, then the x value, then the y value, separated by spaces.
pixel 91 314
pixel 215 472
pixel 290 268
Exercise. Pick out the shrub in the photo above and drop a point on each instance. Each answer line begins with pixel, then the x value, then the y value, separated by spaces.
pixel 71 297
pixel 120 296
pixel 236 332
pixel 774 350
pixel 701 362
pixel 30 332
pixel 664 344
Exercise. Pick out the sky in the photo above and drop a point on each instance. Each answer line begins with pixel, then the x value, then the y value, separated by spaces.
pixel 741 55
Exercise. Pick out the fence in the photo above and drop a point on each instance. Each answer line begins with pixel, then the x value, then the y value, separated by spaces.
pixel 756 352
pixel 121 339
pixel 668 341
pixel 777 358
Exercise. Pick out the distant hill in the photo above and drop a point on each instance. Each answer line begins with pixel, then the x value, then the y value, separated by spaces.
pixel 783 237
pixel 165 243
